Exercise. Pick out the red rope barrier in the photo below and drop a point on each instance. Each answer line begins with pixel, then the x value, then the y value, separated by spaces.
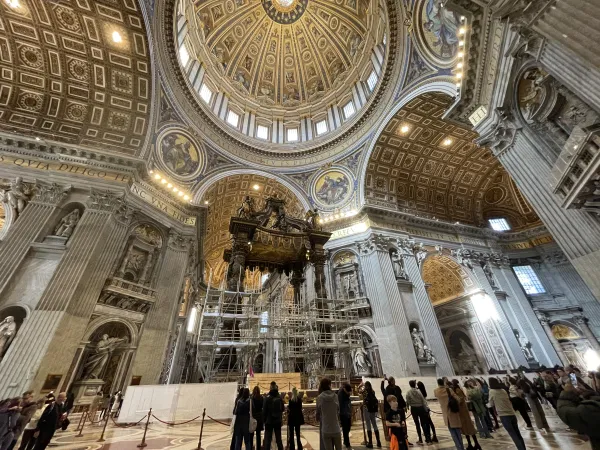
pixel 173 424
pixel 218 421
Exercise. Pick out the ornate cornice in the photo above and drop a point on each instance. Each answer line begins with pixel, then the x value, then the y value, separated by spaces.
pixel 49 194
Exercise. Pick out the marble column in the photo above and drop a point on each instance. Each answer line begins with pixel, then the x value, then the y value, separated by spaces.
pixel 429 323
pixel 160 321
pixel 557 347
pixel 28 227
pixel 526 320
pixel 49 337
pixel 500 322
pixel 577 232
pixel 389 318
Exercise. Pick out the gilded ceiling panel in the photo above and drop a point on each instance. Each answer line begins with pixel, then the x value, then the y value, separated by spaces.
pixel 429 166
pixel 76 72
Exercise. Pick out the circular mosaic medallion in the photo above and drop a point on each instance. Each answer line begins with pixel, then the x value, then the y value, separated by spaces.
pixel 285 11
pixel 179 154
pixel 332 188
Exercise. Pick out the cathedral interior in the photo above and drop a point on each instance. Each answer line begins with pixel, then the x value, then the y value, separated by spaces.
pixel 211 191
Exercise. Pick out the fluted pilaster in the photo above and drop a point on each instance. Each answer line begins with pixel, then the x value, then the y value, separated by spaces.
pixel 60 318
pixel 526 321
pixel 389 318
pixel 501 324
pixel 429 323
pixel 160 320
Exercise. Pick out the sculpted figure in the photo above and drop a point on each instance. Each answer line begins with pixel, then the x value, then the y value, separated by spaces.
pixel 67 224
pixel 418 343
pixel 489 274
pixel 429 357
pixel 312 219
pixel 398 265
pixel 246 210
pixel 16 195
pixel 361 362
pixel 8 328
pixel 97 361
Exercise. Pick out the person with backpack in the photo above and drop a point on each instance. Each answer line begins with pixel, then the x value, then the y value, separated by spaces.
pixel 418 409
pixel 449 403
pixel 273 417
pixel 504 408
pixel 371 408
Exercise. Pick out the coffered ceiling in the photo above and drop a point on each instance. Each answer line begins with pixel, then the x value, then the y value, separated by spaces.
pixel 426 165
pixel 76 72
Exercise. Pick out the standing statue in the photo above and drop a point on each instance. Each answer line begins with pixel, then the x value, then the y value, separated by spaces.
pixel 398 265
pixel 67 224
pixel 465 348
pixel 429 357
pixel 97 361
pixel 247 209
pixel 312 219
pixel 489 274
pixel 361 361
pixel 8 328
pixel 525 346
pixel 418 343
pixel 420 253
pixel 16 195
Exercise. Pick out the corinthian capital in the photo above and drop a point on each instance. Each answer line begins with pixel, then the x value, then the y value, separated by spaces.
pixel 375 242
pixel 104 201
pixel 49 194
pixel 178 242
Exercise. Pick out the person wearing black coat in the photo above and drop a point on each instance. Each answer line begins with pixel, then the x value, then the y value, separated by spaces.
pixel 241 427
pixel 273 417
pixel 345 412
pixel 394 390
pixel 371 408
pixel 257 406
pixel 49 422
pixel 295 418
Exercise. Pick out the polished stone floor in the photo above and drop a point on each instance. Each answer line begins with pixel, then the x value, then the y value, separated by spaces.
pixel 217 437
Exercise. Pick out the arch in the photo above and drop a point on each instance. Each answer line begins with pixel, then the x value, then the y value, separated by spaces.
pixel 97 323
pixel 438 86
pixel 339 251
pixel 6 219
pixel 364 328
pixel 203 187
pixel 446 278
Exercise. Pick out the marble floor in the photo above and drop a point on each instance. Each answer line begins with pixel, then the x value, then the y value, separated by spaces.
pixel 216 437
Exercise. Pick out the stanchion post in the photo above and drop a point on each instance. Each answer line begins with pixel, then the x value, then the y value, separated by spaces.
pixel 202 430
pixel 143 443
pixel 362 418
pixel 104 427
pixel 82 425
pixel 80 419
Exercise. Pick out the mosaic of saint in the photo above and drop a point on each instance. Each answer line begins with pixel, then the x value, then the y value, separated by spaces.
pixel 440 27
pixel 332 188
pixel 179 154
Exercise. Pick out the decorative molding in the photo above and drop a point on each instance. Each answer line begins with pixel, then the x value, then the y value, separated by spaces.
pixel 51 194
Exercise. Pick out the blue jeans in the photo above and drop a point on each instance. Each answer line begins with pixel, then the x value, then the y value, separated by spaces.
pixel 511 426
pixel 481 425
pixel 457 438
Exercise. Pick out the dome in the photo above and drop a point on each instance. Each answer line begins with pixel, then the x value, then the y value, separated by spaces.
pixel 265 67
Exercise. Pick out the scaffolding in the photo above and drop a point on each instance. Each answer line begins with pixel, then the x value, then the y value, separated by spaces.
pixel 316 337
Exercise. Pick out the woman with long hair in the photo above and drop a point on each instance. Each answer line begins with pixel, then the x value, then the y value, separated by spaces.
pixel 500 400
pixel 241 427
pixel 491 412
pixel 518 402
pixel 257 406
pixel 421 387
pixel 478 408
pixel 371 408
pixel 467 426
pixel 295 418
pixel 533 401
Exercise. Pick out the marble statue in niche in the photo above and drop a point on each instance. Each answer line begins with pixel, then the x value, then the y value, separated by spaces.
pixel 489 274
pixel 418 341
pixel 16 195
pixel 8 329
pixel 67 224
pixel 429 357
pixel 398 265
pixel 525 345
pixel 361 362
pixel 99 358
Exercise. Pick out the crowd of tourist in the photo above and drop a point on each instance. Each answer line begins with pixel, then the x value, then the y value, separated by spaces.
pixel 474 408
